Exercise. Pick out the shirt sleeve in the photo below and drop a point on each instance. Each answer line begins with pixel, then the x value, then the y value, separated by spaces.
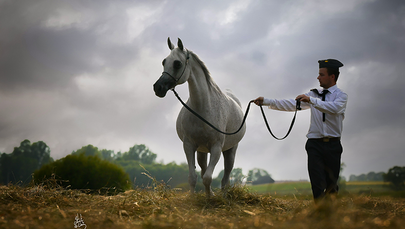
pixel 337 106
pixel 284 104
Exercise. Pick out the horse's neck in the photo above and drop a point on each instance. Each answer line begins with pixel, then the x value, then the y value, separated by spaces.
pixel 201 93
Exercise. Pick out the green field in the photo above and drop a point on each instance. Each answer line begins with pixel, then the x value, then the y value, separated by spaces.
pixel 285 188
pixel 303 189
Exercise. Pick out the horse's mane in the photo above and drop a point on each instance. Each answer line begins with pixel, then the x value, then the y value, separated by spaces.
pixel 207 74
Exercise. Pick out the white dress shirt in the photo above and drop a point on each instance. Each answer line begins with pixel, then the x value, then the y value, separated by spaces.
pixel 334 107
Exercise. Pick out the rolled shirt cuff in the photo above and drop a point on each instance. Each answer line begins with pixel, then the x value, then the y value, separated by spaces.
pixel 267 101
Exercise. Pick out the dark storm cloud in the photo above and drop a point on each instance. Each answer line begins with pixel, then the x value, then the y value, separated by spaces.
pixel 36 55
pixel 370 35
pixel 43 53
pixel 74 73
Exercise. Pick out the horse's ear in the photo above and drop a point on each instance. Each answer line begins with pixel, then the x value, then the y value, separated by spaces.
pixel 180 44
pixel 171 46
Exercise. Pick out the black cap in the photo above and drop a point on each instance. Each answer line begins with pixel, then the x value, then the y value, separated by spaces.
pixel 330 63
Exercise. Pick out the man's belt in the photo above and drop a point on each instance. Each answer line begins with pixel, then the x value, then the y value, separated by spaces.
pixel 335 139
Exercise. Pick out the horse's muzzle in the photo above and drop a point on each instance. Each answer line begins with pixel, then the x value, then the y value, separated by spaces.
pixel 159 91
pixel 162 86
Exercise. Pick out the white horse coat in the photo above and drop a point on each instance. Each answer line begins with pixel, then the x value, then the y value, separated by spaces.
pixel 223 110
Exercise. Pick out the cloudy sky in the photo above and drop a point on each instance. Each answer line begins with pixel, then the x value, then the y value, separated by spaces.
pixel 74 73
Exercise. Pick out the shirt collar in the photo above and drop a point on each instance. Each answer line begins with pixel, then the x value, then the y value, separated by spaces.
pixel 331 89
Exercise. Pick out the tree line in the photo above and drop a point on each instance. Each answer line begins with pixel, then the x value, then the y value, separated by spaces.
pixel 90 167
pixel 371 176
pixel 138 166
pixel 18 166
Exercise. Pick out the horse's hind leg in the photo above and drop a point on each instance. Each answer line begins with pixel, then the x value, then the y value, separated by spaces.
pixel 202 162
pixel 229 159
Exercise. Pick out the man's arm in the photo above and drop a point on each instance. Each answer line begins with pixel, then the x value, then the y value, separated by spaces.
pixel 337 106
pixel 259 101
pixel 303 98
pixel 280 104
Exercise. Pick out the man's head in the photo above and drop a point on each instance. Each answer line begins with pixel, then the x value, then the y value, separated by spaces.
pixel 328 72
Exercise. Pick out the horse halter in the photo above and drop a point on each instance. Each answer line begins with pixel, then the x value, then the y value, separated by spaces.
pixel 184 69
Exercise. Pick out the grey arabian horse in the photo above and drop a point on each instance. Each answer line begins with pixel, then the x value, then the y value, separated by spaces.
pixel 221 109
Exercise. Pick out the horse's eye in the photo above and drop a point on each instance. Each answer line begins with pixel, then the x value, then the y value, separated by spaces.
pixel 163 62
pixel 176 64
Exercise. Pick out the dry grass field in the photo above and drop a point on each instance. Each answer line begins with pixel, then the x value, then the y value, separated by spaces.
pixel 47 206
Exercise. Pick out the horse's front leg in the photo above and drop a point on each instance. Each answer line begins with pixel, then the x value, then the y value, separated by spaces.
pixel 214 158
pixel 189 150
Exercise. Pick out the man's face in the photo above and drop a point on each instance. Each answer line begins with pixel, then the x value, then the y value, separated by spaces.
pixel 325 80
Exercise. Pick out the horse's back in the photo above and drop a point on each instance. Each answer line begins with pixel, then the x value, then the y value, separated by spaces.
pixel 232 96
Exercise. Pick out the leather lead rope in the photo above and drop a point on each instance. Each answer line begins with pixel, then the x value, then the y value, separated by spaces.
pixel 209 124
pixel 297 107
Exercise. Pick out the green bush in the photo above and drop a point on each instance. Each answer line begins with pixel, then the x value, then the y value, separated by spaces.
pixel 85 172
pixel 396 175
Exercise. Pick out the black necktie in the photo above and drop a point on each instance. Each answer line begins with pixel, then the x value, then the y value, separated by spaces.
pixel 323 94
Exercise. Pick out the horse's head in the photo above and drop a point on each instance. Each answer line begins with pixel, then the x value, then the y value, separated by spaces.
pixel 174 69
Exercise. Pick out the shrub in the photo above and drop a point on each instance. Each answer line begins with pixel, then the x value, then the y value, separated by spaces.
pixel 259 176
pixel 396 175
pixel 85 172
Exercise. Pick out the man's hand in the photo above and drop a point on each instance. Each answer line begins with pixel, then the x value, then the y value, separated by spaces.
pixel 303 98
pixel 259 101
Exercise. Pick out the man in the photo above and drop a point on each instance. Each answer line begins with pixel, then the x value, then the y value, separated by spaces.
pixel 328 106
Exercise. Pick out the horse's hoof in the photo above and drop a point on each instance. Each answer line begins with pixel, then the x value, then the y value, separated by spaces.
pixel 210 194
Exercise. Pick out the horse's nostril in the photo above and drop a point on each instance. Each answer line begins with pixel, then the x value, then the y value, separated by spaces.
pixel 160 90
pixel 157 87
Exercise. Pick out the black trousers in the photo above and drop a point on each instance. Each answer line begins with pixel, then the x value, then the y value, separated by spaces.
pixel 323 166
